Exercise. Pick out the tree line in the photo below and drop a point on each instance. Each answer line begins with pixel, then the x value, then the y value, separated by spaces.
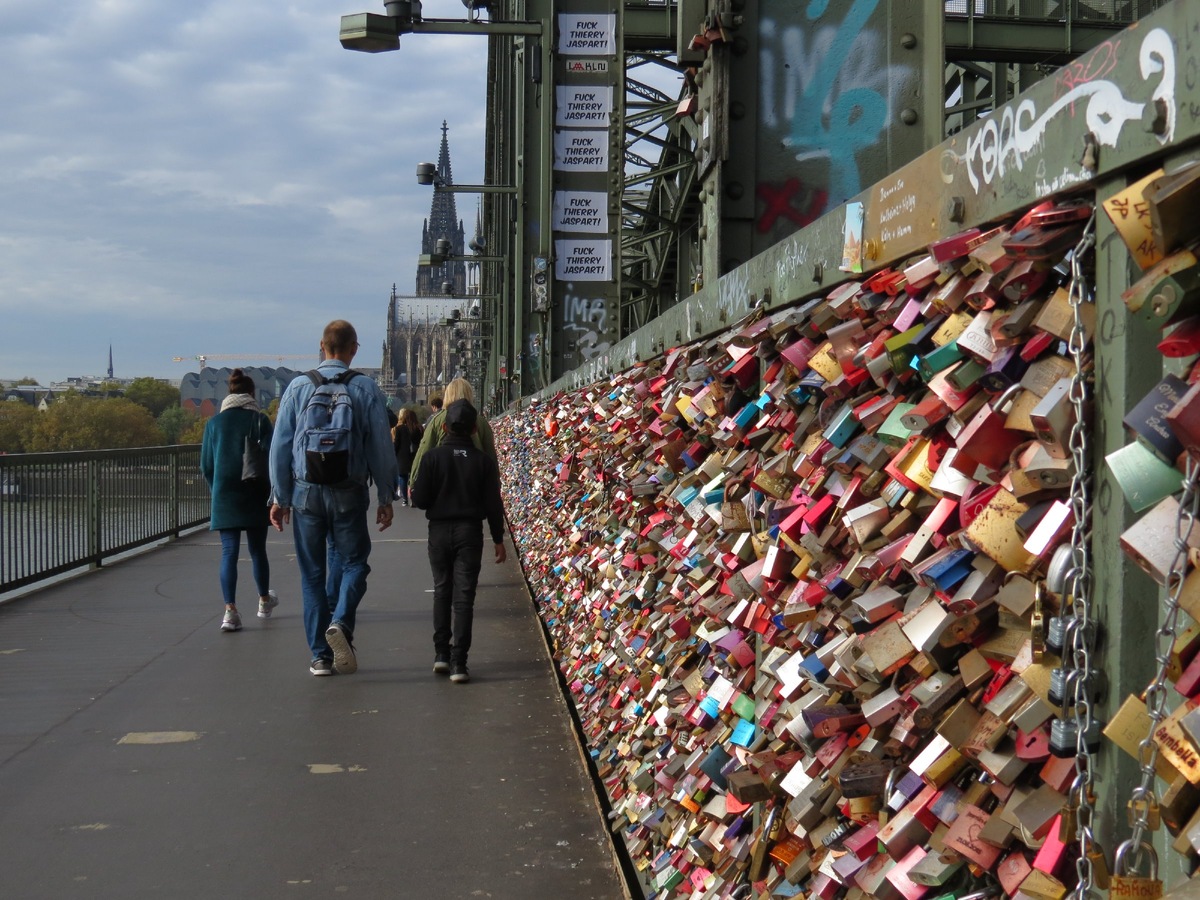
pixel 145 414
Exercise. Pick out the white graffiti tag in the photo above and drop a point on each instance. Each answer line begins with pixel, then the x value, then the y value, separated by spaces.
pixel 1011 135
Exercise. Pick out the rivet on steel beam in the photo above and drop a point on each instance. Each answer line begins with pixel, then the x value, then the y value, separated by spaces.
pixel 734 190
pixel 737 110
pixel 908 40
pixel 908 116
pixel 956 209
pixel 740 46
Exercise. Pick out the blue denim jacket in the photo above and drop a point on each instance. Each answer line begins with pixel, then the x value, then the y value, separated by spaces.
pixel 372 454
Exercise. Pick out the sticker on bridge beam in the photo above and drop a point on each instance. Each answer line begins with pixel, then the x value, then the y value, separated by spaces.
pixel 160 737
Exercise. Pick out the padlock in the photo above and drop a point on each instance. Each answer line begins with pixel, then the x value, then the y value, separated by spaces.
pixel 1062 684
pixel 1125 886
pixel 1037 624
pixel 1063 734
pixel 1056 632
pixel 1144 808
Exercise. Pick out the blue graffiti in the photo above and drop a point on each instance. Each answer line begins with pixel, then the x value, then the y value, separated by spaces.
pixel 856 117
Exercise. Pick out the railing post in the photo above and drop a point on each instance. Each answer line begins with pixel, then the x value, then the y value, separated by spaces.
pixel 93 513
pixel 175 494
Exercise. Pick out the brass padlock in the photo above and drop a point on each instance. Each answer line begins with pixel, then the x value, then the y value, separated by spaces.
pixel 1144 808
pixel 1068 820
pixel 1134 887
pixel 1037 623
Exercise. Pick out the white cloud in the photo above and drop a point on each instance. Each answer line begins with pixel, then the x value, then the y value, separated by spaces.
pixel 214 177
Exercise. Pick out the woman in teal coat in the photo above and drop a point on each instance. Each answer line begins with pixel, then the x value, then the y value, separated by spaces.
pixel 238 505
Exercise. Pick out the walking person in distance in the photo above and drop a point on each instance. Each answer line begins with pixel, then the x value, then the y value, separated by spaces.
pixel 331 439
pixel 406 438
pixel 238 504
pixel 458 487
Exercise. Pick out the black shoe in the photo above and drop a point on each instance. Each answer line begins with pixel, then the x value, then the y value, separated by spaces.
pixel 441 664
pixel 459 673
pixel 321 666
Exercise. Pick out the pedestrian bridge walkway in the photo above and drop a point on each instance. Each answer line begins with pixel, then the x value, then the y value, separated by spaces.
pixel 143 753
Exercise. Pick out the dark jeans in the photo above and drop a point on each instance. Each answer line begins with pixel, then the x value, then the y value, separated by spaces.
pixel 455 554
pixel 256 543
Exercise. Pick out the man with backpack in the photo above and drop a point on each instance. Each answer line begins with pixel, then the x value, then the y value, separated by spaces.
pixel 331 438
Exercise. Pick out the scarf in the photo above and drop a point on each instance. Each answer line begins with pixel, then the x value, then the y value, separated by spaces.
pixel 239 401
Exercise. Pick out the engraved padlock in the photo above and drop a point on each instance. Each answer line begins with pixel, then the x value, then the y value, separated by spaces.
pixel 1134 887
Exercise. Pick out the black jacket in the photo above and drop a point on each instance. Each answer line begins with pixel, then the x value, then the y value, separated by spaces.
pixel 458 481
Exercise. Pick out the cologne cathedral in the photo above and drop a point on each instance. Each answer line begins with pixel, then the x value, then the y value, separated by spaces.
pixel 418 357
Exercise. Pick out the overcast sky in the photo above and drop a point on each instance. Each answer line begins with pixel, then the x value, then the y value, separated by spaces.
pixel 214 177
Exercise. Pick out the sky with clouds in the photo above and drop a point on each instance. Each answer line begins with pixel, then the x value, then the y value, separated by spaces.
pixel 214 177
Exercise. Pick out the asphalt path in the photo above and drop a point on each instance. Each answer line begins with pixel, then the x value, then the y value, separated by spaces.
pixel 144 753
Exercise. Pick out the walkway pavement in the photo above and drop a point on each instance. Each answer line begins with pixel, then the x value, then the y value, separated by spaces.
pixel 145 754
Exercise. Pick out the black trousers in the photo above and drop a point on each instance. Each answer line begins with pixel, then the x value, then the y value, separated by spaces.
pixel 455 555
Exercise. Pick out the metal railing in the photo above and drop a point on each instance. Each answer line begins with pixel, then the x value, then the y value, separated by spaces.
pixel 1118 12
pixel 65 511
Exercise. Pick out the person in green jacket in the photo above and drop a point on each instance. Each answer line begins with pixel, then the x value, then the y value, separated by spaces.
pixel 458 389
pixel 239 505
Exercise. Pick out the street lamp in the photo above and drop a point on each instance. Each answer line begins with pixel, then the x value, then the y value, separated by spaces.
pixel 427 174
pixel 373 33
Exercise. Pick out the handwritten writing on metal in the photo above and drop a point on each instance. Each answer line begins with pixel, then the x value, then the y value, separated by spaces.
pixel 1008 137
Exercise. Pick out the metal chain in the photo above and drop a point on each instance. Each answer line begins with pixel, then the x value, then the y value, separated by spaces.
pixel 1080 638
pixel 1143 795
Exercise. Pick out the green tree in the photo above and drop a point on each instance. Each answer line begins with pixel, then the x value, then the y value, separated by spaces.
pixel 76 422
pixel 16 422
pixel 157 396
pixel 27 380
pixel 176 421
pixel 194 433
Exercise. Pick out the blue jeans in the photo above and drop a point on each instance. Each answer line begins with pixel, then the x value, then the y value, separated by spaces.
pixel 328 521
pixel 402 487
pixel 455 555
pixel 256 543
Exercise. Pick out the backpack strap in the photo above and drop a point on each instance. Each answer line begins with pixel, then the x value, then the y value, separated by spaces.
pixel 342 378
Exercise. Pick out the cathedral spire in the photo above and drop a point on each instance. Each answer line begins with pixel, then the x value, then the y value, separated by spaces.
pixel 443 222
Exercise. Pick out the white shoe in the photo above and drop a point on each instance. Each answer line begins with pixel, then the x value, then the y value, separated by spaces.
pixel 265 606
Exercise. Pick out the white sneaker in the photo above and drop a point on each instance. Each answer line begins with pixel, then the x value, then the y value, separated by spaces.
pixel 265 606
pixel 232 621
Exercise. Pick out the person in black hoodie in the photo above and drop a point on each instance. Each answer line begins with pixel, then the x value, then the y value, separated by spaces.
pixel 458 486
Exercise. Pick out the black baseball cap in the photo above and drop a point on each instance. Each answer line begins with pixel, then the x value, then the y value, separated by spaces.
pixel 461 417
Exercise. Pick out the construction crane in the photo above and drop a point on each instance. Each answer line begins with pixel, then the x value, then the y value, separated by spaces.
pixel 278 357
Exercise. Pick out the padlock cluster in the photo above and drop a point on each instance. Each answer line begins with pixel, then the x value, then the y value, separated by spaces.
pixel 804 581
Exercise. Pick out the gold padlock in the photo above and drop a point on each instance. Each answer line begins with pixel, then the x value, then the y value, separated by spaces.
pixel 1135 887
pixel 1037 623
pixel 1101 877
pixel 1068 821
pixel 1145 808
